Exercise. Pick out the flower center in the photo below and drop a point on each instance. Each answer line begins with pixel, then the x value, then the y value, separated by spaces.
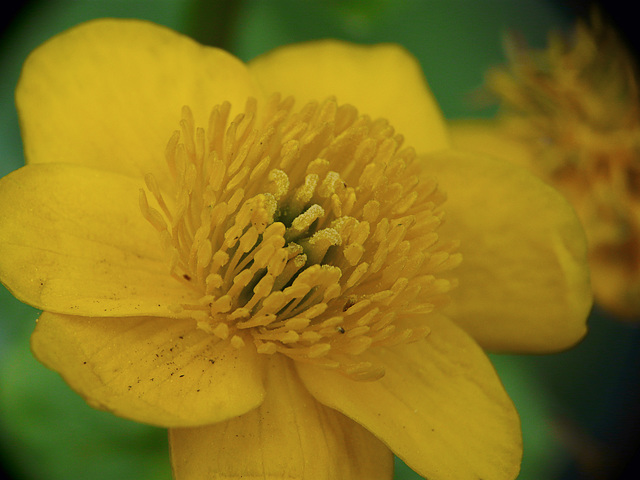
pixel 310 234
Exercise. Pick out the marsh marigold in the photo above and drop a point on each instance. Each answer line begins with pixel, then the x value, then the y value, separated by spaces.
pixel 262 257
pixel 571 114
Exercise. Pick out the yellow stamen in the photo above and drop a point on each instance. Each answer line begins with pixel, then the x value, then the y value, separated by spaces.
pixel 309 234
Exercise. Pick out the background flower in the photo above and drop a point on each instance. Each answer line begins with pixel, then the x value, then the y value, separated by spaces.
pixel 48 432
pixel 570 114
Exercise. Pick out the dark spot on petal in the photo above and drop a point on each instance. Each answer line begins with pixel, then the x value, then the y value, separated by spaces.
pixel 350 303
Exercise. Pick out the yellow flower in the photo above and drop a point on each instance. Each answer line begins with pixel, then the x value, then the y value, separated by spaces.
pixel 570 113
pixel 270 280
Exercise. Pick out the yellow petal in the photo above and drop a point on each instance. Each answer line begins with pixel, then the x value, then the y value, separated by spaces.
pixel 524 281
pixel 108 94
pixel 440 406
pixel 289 436
pixel 74 241
pixel 154 370
pixel 613 276
pixel 380 81
pixel 489 137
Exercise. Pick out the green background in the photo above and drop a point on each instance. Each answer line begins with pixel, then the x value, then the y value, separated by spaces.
pixel 579 409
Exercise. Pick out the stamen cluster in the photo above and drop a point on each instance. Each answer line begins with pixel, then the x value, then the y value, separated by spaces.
pixel 310 233
pixel 576 105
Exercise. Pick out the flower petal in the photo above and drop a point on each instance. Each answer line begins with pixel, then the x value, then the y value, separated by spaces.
pixel 155 370
pixel 289 436
pixel 440 406
pixel 612 272
pixel 74 241
pixel 524 281
pixel 380 81
pixel 488 137
pixel 108 94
